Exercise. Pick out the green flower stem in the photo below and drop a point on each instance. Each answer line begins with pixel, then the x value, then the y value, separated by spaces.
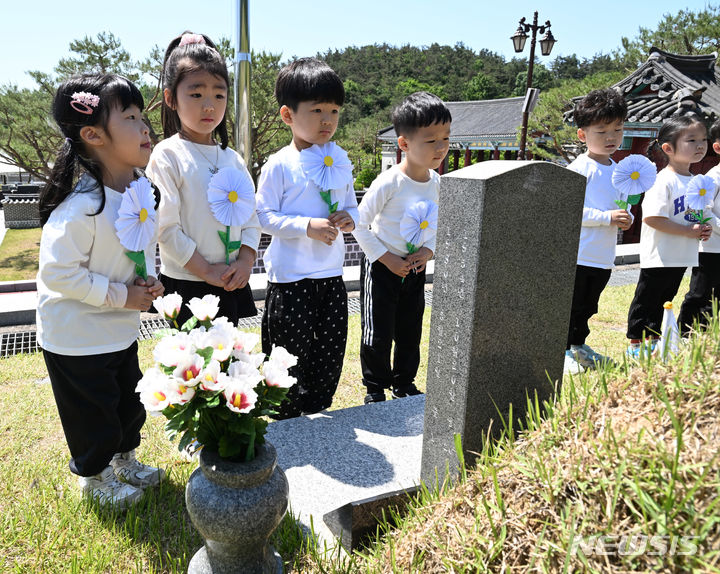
pixel 138 258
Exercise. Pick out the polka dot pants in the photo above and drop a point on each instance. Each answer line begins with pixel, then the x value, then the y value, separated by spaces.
pixel 309 318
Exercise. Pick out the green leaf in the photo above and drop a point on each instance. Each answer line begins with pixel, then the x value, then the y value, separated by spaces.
pixel 205 353
pixel 634 199
pixel 621 204
pixel 223 236
pixel 411 248
pixel 234 245
pixel 326 196
pixel 189 325
pixel 160 333
pixel 137 257
pixel 229 447
pixel 333 207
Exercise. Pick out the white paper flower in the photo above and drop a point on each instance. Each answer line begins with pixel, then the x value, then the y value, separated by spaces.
pixel 179 393
pixel 154 389
pixel 208 379
pixel 245 371
pixel 205 308
pixel 276 376
pixel 700 192
pixel 231 195
pixel 328 166
pixel 239 394
pixel 221 340
pixel 189 370
pixel 633 175
pixel 284 359
pixel 169 305
pixel 419 223
pixel 135 224
pixel 245 342
pixel 172 349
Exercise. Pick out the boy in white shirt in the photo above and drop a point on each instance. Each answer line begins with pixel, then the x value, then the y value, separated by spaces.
pixel 306 302
pixel 392 280
pixel 705 280
pixel 599 117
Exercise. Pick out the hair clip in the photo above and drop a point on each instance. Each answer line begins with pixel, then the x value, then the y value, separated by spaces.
pixel 84 102
pixel 186 39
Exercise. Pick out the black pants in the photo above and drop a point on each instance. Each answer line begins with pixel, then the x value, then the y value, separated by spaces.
pixel 100 411
pixel 391 310
pixel 309 318
pixel 589 285
pixel 655 286
pixel 233 304
pixel 704 287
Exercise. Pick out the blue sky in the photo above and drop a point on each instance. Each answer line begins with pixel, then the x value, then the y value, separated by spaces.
pixel 38 32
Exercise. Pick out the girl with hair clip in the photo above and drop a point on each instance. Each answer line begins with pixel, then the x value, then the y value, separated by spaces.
pixel 670 231
pixel 89 292
pixel 191 163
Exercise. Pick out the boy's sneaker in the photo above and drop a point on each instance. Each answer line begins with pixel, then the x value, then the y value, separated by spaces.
pixel 129 469
pixel 644 350
pixel 374 398
pixel 572 365
pixel 107 490
pixel 589 358
pixel 405 391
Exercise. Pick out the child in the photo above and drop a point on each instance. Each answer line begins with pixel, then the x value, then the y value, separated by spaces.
pixel 599 117
pixel 306 301
pixel 670 232
pixel 705 280
pixel 89 297
pixel 392 281
pixel 195 90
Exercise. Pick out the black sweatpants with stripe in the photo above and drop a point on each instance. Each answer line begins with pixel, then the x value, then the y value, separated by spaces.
pixel 99 409
pixel 391 310
pixel 655 286
pixel 309 319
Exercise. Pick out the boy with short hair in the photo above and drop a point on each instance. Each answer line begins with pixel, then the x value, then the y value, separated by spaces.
pixel 306 302
pixel 705 279
pixel 392 280
pixel 599 117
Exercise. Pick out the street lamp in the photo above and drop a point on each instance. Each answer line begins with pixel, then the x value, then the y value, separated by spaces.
pixel 546 45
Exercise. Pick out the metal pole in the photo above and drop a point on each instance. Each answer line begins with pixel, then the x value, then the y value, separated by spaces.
pixel 243 130
pixel 526 115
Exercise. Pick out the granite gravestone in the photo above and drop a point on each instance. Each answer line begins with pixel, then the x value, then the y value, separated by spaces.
pixel 507 245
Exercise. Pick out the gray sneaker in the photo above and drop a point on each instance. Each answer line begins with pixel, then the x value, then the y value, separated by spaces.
pixel 572 365
pixel 107 490
pixel 589 358
pixel 129 469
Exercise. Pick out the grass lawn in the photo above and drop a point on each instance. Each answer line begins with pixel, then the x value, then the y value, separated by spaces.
pixel 47 528
pixel 19 254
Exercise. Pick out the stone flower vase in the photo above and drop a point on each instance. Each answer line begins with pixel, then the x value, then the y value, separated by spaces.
pixel 236 506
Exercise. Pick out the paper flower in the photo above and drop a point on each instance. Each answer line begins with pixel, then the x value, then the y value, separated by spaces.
pixel 699 194
pixel 280 356
pixel 240 395
pixel 189 370
pixel 328 167
pixel 172 349
pixel 419 224
pixel 154 390
pixel 632 177
pixel 276 376
pixel 168 306
pixel 231 195
pixel 206 308
pixel 669 336
pixel 135 224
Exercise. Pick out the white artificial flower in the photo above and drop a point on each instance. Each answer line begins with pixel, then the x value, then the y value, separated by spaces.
pixel 220 339
pixel 205 308
pixel 254 359
pixel 169 305
pixel 179 393
pixel 135 224
pixel 154 388
pixel 172 349
pixel 700 192
pixel 284 359
pixel 209 378
pixel 419 223
pixel 245 371
pixel 231 195
pixel 245 341
pixel 328 166
pixel 276 376
pixel 240 395
pixel 633 175
pixel 189 369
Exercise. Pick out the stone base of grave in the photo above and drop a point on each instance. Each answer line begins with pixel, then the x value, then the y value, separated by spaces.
pixel 336 458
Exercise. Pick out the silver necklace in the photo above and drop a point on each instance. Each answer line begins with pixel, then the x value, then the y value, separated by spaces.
pixel 214 169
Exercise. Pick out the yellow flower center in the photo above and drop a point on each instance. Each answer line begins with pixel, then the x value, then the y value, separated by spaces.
pixel 159 396
pixel 424 225
pixel 143 215
pixel 232 196
pixel 238 401
pixel 220 347
pixel 208 378
pixel 702 192
pixel 188 375
pixel 635 175
pixel 182 389
pixel 328 161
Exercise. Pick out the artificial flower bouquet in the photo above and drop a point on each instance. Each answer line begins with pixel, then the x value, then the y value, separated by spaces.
pixel 208 382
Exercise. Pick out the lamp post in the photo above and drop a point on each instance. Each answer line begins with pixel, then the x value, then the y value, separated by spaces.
pixel 243 129
pixel 546 45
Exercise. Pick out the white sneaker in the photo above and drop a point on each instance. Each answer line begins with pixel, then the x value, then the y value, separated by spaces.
pixel 572 366
pixel 589 358
pixel 129 469
pixel 107 490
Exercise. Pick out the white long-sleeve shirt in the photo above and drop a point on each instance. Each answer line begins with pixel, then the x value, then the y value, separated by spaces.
pixel 180 169
pixel 82 263
pixel 712 245
pixel 286 202
pixel 598 237
pixel 382 208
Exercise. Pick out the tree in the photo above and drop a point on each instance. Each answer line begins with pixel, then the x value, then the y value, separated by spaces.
pixel 102 55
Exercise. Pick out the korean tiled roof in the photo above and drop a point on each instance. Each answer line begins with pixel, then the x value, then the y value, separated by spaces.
pixel 670 83
pixel 481 119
